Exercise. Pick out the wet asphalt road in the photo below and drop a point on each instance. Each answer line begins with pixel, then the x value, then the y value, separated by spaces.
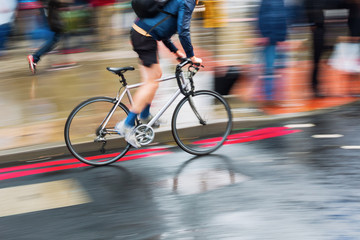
pixel 298 182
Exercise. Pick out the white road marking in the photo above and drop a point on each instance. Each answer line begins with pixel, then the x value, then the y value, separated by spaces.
pixel 41 196
pixel 327 136
pixel 351 147
pixel 305 125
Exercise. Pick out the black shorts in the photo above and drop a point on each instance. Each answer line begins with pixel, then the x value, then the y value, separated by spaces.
pixel 145 47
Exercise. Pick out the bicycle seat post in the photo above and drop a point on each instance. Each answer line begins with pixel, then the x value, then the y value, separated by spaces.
pixel 122 79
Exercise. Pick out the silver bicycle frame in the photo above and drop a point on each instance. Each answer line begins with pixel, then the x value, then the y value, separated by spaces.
pixel 126 91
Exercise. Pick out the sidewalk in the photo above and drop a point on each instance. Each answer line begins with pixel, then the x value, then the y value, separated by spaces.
pixel 35 108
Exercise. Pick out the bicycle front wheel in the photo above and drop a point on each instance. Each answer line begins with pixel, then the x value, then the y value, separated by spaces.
pixel 89 138
pixel 202 122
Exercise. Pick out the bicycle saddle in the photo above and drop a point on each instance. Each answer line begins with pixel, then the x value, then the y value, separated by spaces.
pixel 122 70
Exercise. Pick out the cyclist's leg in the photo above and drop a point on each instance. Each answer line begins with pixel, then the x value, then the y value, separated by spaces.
pixel 142 98
pixel 146 93
pixel 146 48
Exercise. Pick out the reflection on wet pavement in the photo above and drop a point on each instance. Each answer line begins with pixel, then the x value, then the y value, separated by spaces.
pixel 203 174
pixel 200 181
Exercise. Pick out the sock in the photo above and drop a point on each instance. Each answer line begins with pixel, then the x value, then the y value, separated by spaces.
pixel 146 112
pixel 130 120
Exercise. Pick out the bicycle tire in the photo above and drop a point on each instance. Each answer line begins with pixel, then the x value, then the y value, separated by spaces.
pixel 193 136
pixel 81 131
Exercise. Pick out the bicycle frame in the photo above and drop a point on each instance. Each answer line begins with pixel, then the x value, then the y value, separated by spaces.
pixel 127 92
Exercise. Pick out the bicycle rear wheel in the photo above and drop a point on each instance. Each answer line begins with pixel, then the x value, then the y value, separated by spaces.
pixel 84 138
pixel 202 122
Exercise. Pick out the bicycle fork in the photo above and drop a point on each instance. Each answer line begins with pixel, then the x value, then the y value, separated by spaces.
pixel 192 105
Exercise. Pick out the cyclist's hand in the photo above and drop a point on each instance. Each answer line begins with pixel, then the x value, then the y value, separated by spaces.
pixel 180 55
pixel 196 60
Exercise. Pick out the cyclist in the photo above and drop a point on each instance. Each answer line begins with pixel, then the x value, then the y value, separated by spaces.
pixel 144 36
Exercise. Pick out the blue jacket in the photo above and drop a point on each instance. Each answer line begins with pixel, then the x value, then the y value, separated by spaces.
pixel 183 9
pixel 273 20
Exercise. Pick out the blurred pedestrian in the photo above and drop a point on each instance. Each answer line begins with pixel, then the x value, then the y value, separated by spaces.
pixel 272 25
pixel 103 13
pixel 57 27
pixel 316 17
pixel 7 14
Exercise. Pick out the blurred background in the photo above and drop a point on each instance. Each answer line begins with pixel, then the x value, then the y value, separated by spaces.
pixel 267 56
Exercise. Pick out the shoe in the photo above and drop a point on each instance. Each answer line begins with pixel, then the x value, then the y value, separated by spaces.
pixel 32 65
pixel 148 119
pixel 128 133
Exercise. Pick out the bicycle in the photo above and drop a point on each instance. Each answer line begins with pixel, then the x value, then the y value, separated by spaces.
pixel 91 138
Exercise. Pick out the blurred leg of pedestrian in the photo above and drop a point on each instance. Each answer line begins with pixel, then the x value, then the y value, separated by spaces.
pixel 4 34
pixel 280 75
pixel 47 47
pixel 40 31
pixel 318 49
pixel 269 58
pixel 354 18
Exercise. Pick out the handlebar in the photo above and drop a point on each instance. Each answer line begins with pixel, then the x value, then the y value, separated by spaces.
pixel 193 69
pixel 186 61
